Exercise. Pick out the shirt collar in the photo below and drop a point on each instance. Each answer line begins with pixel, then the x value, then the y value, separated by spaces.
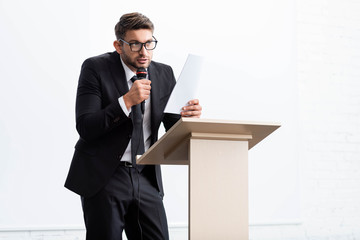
pixel 128 73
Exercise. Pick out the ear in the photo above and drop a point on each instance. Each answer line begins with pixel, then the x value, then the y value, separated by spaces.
pixel 118 46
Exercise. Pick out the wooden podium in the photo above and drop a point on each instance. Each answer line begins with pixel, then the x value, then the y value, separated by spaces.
pixel 217 154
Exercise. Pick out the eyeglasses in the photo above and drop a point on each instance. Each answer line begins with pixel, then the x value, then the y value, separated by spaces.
pixel 137 46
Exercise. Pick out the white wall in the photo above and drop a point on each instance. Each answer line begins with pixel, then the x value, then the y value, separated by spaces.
pixel 43 44
pixel 328 70
pixel 329 90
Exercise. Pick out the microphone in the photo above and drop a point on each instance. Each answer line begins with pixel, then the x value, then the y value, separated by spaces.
pixel 141 74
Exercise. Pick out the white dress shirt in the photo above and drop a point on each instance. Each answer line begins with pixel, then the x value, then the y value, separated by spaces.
pixel 146 121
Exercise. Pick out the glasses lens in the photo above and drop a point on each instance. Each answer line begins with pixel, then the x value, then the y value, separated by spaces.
pixel 135 47
pixel 150 45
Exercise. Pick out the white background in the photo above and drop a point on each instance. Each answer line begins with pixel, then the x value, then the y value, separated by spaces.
pixel 250 75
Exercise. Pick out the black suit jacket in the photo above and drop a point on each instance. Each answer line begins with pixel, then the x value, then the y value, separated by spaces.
pixel 103 127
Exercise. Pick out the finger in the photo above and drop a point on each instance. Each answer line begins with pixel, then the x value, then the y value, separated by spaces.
pixel 192 108
pixel 146 87
pixel 144 81
pixel 191 114
pixel 193 102
pixel 145 94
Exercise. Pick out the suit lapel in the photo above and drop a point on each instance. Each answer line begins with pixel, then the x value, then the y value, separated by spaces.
pixel 155 98
pixel 118 74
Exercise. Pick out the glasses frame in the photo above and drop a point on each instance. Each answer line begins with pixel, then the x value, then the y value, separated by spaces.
pixel 142 44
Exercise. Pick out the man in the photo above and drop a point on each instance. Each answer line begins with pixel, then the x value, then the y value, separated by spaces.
pixel 116 193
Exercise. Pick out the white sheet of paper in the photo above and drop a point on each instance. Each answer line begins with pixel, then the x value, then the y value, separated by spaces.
pixel 187 85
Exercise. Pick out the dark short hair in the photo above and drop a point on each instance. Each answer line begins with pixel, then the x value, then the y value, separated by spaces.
pixel 132 21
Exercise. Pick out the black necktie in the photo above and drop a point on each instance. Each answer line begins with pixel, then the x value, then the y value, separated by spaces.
pixel 137 137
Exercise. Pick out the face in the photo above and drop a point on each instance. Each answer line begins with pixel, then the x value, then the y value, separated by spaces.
pixel 135 60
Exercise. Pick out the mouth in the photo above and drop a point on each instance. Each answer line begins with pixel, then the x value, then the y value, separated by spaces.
pixel 142 60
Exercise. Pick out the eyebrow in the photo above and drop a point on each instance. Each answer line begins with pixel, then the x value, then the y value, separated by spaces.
pixel 136 41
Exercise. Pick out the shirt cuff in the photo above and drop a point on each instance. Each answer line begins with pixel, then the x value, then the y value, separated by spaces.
pixel 123 106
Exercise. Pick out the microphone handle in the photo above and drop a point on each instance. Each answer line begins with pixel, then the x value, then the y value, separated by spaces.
pixel 143 107
pixel 142 103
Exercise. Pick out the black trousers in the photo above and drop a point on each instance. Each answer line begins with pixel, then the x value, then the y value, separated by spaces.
pixel 130 202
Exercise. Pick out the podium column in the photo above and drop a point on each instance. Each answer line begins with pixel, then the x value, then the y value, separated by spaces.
pixel 218 186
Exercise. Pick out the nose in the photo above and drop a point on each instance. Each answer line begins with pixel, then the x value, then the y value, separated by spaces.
pixel 143 50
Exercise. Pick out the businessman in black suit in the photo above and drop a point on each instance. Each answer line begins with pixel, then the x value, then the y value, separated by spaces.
pixel 117 194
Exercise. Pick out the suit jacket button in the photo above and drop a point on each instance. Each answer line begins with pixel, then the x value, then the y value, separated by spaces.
pixel 116 119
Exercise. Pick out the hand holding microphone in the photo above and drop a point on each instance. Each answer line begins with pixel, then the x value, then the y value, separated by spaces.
pixel 139 92
pixel 141 74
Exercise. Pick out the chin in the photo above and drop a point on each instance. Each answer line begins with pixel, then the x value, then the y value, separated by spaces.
pixel 144 65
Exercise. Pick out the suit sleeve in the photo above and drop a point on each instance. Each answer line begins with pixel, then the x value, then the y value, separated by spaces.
pixel 170 119
pixel 93 120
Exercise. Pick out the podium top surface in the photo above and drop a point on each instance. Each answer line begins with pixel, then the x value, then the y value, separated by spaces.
pixel 258 130
pixel 185 127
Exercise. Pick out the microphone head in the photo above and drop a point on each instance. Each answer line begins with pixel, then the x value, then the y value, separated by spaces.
pixel 141 73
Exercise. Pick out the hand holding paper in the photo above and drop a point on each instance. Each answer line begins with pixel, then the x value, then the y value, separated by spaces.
pixel 193 109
